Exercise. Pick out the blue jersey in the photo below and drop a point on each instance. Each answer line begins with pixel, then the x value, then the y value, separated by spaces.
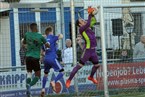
pixel 50 60
pixel 51 52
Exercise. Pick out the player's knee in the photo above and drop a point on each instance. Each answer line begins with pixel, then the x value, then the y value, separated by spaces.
pixel 38 73
pixel 95 63
pixel 29 74
pixel 62 70
pixel 81 62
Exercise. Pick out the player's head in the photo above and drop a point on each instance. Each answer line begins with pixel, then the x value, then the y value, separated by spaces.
pixel 33 27
pixel 79 36
pixel 68 42
pixel 124 52
pixel 49 30
pixel 80 22
pixel 142 39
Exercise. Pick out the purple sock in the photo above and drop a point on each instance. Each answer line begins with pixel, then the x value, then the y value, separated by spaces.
pixel 74 71
pixel 44 81
pixel 94 68
pixel 59 76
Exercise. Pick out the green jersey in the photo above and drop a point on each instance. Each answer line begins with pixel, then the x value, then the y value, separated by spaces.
pixel 34 43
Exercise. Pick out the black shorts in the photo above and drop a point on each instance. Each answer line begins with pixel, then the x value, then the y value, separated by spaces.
pixel 32 64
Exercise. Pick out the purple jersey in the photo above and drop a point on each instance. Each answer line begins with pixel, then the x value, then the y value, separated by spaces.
pixel 88 34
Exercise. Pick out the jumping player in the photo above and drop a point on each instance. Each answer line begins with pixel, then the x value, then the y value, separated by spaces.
pixel 89 51
pixel 34 42
pixel 50 60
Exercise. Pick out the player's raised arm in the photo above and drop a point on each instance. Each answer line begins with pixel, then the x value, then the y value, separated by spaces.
pixel 93 12
pixel 93 21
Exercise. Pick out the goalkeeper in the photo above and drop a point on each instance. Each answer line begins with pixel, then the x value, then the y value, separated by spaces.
pixel 89 50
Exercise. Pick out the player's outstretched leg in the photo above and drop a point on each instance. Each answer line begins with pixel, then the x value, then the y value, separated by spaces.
pixel 74 71
pixel 28 81
pixel 59 76
pixel 91 78
pixel 33 82
pixel 44 80
pixel 28 86
pixel 28 91
pixel 36 78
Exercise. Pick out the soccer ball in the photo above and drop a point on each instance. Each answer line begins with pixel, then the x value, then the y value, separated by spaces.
pixel 92 10
pixel 95 11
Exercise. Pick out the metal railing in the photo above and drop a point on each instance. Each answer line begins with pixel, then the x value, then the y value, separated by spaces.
pixel 100 61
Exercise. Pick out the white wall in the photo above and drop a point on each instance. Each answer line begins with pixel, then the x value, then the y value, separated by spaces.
pixel 4 6
pixel 5 45
pixel 74 0
pixel 101 2
pixel 35 1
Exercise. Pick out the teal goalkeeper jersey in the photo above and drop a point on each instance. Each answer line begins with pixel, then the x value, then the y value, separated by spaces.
pixel 34 43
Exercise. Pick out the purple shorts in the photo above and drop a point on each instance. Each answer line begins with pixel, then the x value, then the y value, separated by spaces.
pixel 89 55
